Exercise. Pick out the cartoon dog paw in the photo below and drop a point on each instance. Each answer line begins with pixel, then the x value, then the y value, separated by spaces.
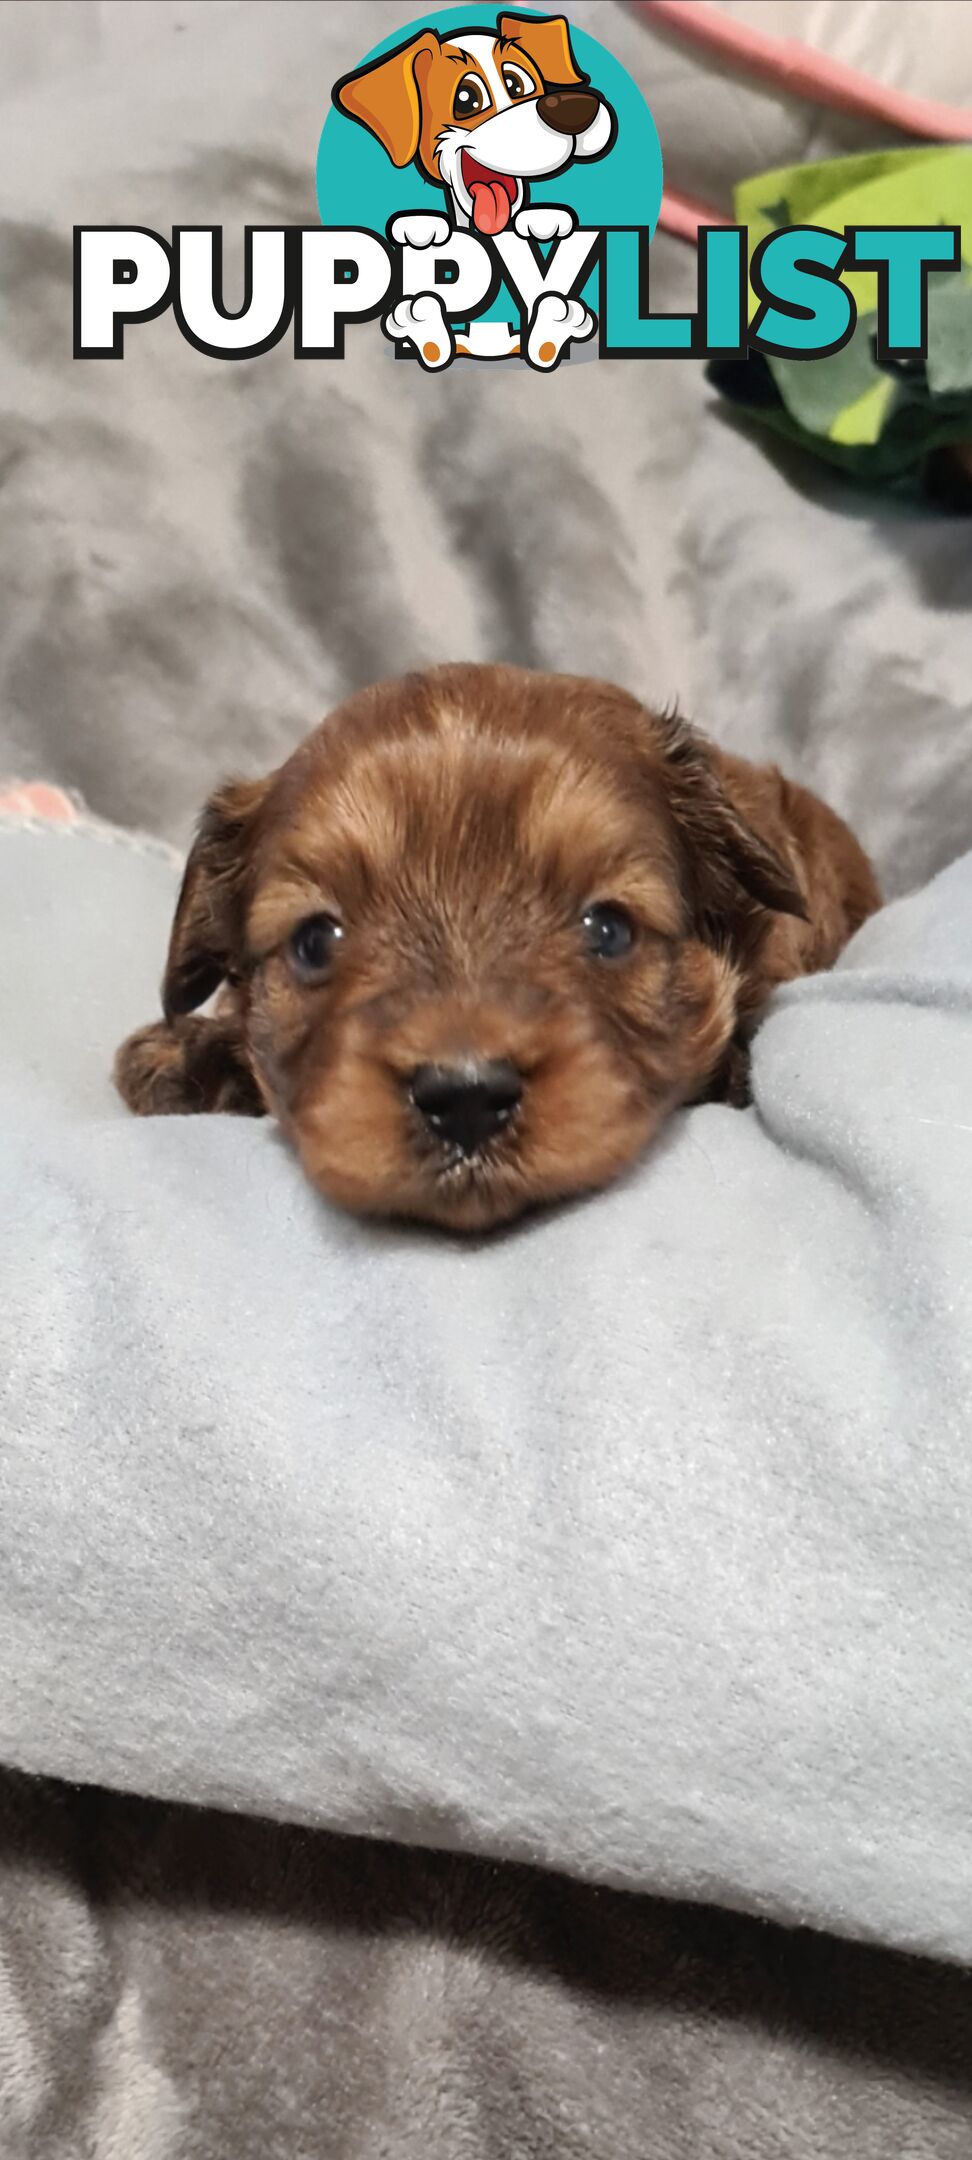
pixel 555 323
pixel 421 321
pixel 420 229
pixel 544 221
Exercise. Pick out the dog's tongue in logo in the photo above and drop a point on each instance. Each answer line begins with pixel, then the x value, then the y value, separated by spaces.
pixel 493 195
pixel 491 206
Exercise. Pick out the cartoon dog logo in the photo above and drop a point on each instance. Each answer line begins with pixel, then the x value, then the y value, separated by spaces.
pixel 482 114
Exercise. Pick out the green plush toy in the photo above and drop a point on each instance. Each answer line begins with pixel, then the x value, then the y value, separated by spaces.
pixel 901 425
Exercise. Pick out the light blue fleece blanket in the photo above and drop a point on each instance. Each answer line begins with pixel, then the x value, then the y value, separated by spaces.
pixel 636 1542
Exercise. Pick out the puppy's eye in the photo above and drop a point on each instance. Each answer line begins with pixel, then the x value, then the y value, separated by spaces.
pixel 608 930
pixel 469 98
pixel 314 943
pixel 515 84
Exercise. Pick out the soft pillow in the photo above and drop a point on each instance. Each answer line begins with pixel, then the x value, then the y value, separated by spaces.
pixel 637 1541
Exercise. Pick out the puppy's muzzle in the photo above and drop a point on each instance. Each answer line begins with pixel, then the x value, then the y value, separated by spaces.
pixel 568 112
pixel 468 1103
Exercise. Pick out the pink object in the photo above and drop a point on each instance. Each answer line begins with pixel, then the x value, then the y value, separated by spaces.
pixel 682 215
pixel 802 72
pixel 36 801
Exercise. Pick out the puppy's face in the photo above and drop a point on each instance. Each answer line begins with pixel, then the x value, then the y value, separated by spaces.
pixel 462 921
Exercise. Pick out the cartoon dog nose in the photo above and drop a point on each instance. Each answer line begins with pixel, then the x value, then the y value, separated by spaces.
pixel 569 111
pixel 465 1104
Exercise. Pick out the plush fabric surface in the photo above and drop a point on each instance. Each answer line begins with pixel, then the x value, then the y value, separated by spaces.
pixel 634 1542
pixel 176 1985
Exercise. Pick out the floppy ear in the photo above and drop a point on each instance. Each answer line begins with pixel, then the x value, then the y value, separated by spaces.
pixel 546 43
pixel 725 857
pixel 208 927
pixel 385 97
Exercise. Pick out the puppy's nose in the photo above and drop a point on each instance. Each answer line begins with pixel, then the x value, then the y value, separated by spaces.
pixel 569 111
pixel 465 1104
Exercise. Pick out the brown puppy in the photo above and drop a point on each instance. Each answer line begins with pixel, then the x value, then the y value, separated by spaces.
pixel 482 932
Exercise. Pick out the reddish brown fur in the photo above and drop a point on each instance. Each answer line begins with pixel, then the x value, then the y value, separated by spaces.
pixel 457 824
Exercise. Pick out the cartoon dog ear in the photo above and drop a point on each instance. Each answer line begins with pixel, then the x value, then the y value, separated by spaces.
pixel 725 858
pixel 207 932
pixel 546 43
pixel 385 97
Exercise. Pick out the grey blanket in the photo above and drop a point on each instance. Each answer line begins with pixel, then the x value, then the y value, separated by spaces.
pixel 183 1986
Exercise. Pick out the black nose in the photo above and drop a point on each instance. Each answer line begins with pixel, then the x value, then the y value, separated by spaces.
pixel 468 1102
pixel 569 111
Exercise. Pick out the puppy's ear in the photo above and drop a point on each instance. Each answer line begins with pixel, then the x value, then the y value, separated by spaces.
pixel 725 857
pixel 546 43
pixel 386 98
pixel 207 931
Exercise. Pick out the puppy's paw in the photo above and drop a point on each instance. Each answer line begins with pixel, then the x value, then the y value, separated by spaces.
pixel 185 1068
pixel 420 229
pixel 421 321
pixel 555 324
pixel 544 221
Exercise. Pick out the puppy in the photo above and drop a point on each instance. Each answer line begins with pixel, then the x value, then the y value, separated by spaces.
pixel 481 933
pixel 482 113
